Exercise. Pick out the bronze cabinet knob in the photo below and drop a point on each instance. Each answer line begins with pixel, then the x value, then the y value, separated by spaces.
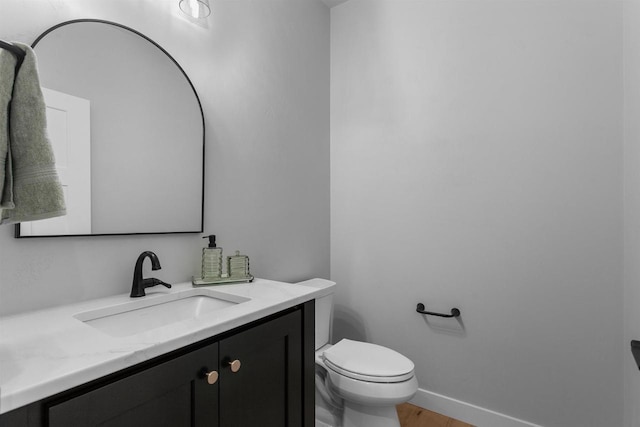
pixel 212 377
pixel 235 365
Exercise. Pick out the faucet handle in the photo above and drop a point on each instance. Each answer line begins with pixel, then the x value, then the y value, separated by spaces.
pixel 160 282
pixel 152 281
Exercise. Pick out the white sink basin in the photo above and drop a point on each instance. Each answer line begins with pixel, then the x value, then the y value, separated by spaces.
pixel 155 311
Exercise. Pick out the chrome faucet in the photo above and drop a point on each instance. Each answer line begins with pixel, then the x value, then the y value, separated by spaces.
pixel 139 284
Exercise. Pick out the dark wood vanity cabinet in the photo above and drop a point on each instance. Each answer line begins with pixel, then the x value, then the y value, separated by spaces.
pixel 265 378
pixel 267 389
pixel 173 393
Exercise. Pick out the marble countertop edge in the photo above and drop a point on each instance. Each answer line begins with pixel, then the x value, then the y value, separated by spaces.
pixel 46 352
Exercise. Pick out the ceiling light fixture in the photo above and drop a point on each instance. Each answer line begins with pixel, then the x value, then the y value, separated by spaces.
pixel 196 8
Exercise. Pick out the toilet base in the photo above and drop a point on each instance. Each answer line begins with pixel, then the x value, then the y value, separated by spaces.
pixel 325 417
pixel 356 415
pixel 322 424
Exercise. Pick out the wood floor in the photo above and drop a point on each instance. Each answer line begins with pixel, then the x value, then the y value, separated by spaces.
pixel 415 416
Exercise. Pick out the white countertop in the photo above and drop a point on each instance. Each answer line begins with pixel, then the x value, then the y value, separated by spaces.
pixel 49 351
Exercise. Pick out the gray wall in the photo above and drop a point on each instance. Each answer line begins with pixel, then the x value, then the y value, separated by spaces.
pixel 262 72
pixel 632 208
pixel 476 161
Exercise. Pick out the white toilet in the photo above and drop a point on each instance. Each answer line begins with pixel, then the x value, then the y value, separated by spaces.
pixel 358 384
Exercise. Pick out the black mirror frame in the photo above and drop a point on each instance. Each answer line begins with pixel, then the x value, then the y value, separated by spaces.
pixel 101 21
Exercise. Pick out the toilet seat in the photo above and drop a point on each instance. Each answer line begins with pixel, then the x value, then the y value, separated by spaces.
pixel 371 393
pixel 368 362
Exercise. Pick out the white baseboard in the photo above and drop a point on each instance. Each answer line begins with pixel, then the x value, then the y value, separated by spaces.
pixel 463 411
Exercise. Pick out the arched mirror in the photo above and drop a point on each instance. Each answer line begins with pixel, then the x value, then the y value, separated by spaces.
pixel 128 133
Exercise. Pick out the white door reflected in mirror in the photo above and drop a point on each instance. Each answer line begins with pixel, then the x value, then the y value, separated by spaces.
pixel 69 130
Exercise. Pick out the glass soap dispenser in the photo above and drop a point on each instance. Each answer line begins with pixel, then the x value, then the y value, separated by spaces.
pixel 211 260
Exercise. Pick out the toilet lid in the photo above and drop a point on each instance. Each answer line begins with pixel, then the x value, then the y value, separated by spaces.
pixel 368 362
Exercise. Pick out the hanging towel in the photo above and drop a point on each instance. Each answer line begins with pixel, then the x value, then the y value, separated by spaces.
pixel 37 193
pixel 7 74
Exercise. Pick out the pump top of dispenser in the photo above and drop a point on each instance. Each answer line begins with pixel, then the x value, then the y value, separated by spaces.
pixel 212 240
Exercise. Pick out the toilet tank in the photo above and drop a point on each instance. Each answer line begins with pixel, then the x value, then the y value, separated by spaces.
pixel 324 310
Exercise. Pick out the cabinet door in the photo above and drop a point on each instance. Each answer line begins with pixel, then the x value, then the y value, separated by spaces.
pixel 266 391
pixel 172 394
